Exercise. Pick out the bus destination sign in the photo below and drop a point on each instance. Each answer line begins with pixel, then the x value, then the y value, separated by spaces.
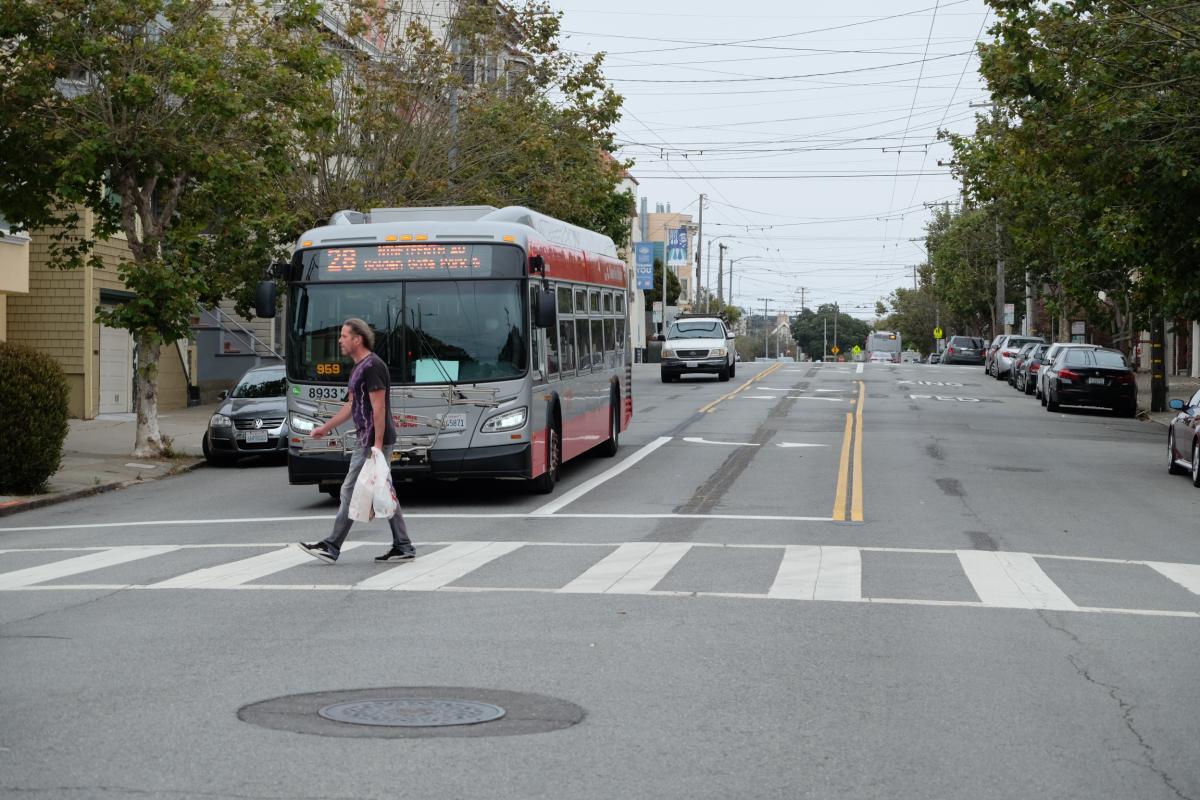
pixel 382 261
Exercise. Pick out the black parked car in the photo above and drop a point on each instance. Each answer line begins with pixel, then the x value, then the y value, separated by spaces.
pixel 964 350
pixel 1183 439
pixel 1018 361
pixel 1027 370
pixel 252 420
pixel 1091 377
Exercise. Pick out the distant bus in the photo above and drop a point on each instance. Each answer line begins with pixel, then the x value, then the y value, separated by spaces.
pixel 884 342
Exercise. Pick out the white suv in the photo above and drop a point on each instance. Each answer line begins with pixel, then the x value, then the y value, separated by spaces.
pixel 698 344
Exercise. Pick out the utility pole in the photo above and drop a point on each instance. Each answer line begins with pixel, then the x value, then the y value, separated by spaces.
pixel 699 239
pixel 802 290
pixel 836 313
pixel 825 339
pixel 999 281
pixel 766 329
pixel 721 274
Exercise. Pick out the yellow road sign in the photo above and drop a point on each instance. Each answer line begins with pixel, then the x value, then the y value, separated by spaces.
pixel 856 350
pixel 937 333
pixel 835 350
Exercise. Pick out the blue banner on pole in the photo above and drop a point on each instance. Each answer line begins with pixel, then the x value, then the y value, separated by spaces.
pixel 643 253
pixel 677 247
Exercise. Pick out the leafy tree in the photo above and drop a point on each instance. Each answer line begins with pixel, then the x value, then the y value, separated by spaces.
pixel 709 304
pixel 167 122
pixel 914 313
pixel 674 288
pixel 809 329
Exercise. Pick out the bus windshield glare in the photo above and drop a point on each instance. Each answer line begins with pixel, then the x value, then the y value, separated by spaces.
pixel 427 332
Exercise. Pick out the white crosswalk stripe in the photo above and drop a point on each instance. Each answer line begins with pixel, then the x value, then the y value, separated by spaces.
pixel 804 572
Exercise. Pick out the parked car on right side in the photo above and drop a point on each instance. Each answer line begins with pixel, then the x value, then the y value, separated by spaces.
pixel 1028 369
pixel 998 360
pixel 1093 376
pixel 1046 360
pixel 1183 439
pixel 964 350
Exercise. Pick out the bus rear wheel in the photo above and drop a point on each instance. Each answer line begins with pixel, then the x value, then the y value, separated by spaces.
pixel 609 448
pixel 544 483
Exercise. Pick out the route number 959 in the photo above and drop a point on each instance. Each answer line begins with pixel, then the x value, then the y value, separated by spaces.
pixel 329 369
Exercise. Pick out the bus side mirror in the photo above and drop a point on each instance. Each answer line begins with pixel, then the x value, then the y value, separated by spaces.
pixel 544 314
pixel 264 300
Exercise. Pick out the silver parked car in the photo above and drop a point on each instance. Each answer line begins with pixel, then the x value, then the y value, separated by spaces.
pixel 251 420
pixel 1183 439
pixel 999 358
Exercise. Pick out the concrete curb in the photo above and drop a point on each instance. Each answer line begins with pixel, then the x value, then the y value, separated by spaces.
pixel 17 506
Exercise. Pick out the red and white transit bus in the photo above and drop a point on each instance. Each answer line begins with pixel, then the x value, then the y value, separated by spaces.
pixel 505 332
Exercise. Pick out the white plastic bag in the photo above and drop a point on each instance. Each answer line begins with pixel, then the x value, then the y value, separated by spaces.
pixel 373 494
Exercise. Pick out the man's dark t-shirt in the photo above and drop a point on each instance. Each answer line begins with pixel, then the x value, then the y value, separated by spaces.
pixel 371 375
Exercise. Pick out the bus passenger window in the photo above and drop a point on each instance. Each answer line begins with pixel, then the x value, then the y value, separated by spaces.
pixel 620 334
pixel 552 351
pixel 564 299
pixel 583 345
pixel 595 304
pixel 581 301
pixel 610 342
pixel 598 343
pixel 566 341
pixel 608 303
pixel 538 366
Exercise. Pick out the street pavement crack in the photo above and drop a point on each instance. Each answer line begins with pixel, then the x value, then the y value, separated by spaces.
pixel 1126 708
pixel 61 609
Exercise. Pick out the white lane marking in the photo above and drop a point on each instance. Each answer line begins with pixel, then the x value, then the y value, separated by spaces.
pixel 759 397
pixel 943 397
pixel 236 573
pixel 699 440
pixel 771 389
pixel 437 569
pixel 609 474
pixel 825 399
pixel 73 566
pixel 837 391
pixel 148 523
pixel 1012 580
pixel 860 368
pixel 809 572
pixel 799 444
pixel 633 568
pixel 1186 575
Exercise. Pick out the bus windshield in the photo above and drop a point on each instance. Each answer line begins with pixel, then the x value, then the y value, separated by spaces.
pixel 444 331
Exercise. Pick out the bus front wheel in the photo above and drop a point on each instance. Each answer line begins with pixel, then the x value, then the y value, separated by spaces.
pixel 544 483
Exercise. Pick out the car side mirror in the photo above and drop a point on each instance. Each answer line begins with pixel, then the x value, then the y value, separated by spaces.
pixel 544 314
pixel 223 394
pixel 264 299
pixel 1176 405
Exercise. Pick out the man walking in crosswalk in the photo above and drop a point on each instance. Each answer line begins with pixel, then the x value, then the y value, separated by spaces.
pixel 369 403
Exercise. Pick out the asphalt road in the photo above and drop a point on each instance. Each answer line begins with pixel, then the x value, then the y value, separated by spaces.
pixel 904 582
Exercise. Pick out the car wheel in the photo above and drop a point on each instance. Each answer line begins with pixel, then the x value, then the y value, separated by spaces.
pixel 666 376
pixel 1172 467
pixel 1196 463
pixel 1130 410
pixel 544 483
pixel 732 370
pixel 723 375
pixel 1051 402
pixel 215 459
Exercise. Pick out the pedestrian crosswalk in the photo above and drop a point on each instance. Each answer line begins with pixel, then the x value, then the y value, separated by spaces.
pixel 986 579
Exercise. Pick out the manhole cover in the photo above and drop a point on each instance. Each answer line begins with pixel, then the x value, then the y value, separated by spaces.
pixel 412 713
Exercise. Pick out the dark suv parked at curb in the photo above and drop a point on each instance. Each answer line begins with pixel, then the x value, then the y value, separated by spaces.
pixel 964 350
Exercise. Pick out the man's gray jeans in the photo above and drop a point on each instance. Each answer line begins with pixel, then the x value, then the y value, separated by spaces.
pixel 341 525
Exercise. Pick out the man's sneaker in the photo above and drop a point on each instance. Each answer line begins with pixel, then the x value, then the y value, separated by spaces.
pixel 397 554
pixel 319 550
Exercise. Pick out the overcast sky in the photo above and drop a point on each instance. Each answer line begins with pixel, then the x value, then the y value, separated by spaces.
pixel 811 128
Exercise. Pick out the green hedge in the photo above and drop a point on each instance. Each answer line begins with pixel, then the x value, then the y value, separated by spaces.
pixel 33 418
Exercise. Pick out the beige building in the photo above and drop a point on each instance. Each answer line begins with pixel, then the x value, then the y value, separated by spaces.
pixel 57 314
pixel 657 225
pixel 14 270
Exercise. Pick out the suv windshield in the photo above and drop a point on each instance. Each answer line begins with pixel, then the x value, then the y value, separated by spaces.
pixel 262 384
pixel 443 331
pixel 696 329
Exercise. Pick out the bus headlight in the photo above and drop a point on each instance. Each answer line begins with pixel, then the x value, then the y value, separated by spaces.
pixel 302 425
pixel 508 421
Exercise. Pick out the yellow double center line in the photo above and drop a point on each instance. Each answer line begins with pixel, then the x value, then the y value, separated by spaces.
pixel 709 408
pixel 849 496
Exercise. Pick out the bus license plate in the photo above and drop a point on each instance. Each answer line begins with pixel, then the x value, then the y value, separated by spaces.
pixel 456 422
pixel 256 437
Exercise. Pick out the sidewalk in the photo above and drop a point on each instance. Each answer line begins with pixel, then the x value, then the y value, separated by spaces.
pixel 1178 386
pixel 96 456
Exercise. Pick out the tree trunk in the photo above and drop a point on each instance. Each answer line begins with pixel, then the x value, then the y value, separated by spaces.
pixel 1158 366
pixel 148 442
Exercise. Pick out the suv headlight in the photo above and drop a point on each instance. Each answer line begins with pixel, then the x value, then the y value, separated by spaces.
pixel 301 425
pixel 220 421
pixel 508 421
pixel 668 353
pixel 717 352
